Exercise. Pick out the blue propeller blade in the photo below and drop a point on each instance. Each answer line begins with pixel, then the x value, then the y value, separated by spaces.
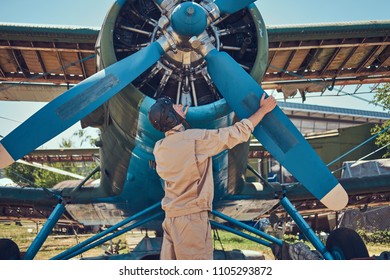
pixel 232 6
pixel 75 104
pixel 276 132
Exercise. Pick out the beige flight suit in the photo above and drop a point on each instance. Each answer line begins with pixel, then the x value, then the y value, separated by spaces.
pixel 184 162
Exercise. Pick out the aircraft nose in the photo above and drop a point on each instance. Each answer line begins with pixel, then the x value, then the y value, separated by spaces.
pixel 189 19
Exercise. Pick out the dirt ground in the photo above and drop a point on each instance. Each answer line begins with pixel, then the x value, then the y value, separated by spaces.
pixel 24 233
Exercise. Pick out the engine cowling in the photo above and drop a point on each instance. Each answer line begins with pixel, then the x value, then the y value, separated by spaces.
pixel 180 74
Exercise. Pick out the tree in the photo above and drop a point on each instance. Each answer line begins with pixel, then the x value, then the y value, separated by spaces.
pixel 382 98
pixel 31 176
pixel 35 177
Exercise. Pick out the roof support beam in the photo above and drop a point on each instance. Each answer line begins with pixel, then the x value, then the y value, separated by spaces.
pixel 290 58
pixel 19 60
pixel 377 50
pixel 80 57
pixel 2 72
pixel 272 58
pixel 314 58
pixel 61 62
pixel 307 62
pixel 276 83
pixel 323 45
pixel 47 49
pixel 41 63
pixel 341 67
pixel 383 58
pixel 335 53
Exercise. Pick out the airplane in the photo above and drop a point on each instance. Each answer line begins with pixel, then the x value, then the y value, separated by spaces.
pixel 149 49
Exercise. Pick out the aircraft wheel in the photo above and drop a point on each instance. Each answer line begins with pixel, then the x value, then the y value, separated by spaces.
pixel 9 250
pixel 346 244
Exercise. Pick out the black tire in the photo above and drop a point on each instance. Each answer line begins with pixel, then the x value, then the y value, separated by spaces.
pixel 346 244
pixel 9 250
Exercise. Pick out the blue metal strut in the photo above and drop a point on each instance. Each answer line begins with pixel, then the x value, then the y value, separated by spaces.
pixel 240 233
pixel 107 238
pixel 305 228
pixel 70 251
pixel 45 231
pixel 248 228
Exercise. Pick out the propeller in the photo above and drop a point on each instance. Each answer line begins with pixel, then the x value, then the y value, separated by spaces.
pixel 84 98
pixel 276 132
pixel 232 6
pixel 243 94
pixel 217 6
pixel 76 103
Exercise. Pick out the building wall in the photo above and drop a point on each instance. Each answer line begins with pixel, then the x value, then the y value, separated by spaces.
pixel 332 147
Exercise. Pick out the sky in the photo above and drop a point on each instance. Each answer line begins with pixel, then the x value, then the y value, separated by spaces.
pixel 283 12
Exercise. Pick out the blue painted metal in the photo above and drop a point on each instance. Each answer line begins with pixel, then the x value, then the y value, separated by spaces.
pixel 45 231
pixel 248 228
pixel 70 251
pixel 78 102
pixel 305 228
pixel 232 6
pixel 276 132
pixel 120 3
pixel 116 234
pixel 337 253
pixel 240 233
pixel 189 19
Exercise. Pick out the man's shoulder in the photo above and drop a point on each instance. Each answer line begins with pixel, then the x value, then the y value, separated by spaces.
pixel 157 144
pixel 194 134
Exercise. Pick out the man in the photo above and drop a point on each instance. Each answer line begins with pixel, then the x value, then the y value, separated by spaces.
pixel 184 162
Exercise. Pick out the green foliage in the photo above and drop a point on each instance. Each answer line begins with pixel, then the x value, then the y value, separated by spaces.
pixel 291 238
pixel 36 177
pixel 79 138
pixel 382 98
pixel 376 237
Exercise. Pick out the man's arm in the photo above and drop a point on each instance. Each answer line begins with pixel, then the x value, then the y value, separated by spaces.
pixel 212 142
pixel 266 106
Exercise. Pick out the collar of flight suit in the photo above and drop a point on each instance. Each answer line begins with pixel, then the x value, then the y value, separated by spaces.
pixel 178 128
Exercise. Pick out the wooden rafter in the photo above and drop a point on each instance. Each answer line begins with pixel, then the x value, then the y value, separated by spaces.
pixel 2 72
pixel 19 60
pixel 80 57
pixel 61 62
pixel 41 63
pixel 330 60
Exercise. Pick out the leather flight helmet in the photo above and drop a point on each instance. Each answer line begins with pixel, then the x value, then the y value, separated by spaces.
pixel 162 115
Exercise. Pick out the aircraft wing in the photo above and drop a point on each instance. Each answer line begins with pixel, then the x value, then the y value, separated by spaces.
pixel 336 54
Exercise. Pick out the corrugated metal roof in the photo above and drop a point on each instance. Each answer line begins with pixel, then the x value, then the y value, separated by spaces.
pixel 352 29
pixel 333 110
pixel 43 28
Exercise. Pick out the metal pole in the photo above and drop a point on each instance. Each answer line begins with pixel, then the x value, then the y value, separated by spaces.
pixel 242 234
pixel 358 146
pixel 306 229
pixel 248 228
pixel 103 233
pixel 45 231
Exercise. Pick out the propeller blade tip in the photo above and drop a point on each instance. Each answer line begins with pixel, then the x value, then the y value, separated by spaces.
pixel 5 158
pixel 336 199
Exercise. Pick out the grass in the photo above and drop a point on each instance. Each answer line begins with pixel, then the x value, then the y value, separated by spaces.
pixel 55 244
pixel 231 242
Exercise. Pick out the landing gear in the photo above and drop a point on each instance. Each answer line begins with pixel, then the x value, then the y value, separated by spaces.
pixel 346 244
pixel 9 250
